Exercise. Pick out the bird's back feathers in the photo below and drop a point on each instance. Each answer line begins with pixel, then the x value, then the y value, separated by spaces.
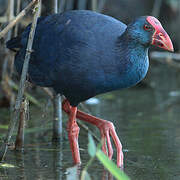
pixel 77 54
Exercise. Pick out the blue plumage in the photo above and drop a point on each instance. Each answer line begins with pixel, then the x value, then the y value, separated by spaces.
pixel 82 53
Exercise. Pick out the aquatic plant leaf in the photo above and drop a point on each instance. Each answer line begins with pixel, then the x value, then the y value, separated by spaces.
pixel 91 146
pixel 5 165
pixel 114 170
pixel 3 126
pixel 85 175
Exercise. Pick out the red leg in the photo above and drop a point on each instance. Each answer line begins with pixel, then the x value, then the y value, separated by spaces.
pixel 73 132
pixel 106 128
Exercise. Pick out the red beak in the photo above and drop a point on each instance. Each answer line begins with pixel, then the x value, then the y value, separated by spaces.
pixel 160 37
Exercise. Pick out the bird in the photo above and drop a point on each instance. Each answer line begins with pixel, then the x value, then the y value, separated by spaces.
pixel 82 53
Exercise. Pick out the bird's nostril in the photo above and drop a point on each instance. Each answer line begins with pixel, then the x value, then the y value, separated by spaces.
pixel 160 36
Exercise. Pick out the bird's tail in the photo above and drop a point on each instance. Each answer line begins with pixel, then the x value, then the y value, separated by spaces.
pixel 14 44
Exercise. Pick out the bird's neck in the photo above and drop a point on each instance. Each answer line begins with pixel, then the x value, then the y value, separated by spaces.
pixel 133 61
pixel 130 46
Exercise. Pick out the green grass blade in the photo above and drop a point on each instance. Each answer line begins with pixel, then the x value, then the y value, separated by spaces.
pixel 3 126
pixel 5 165
pixel 91 146
pixel 85 175
pixel 114 170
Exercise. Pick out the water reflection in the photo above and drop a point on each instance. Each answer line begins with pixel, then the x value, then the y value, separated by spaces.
pixel 20 162
pixel 75 173
pixel 58 160
pixel 107 175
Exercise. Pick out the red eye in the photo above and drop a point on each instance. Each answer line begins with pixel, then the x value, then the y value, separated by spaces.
pixel 147 27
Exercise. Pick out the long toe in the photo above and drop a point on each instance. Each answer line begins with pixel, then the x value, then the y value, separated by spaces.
pixel 107 129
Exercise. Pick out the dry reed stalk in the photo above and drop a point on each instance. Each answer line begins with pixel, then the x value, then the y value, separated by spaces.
pixel 17 18
pixel 19 98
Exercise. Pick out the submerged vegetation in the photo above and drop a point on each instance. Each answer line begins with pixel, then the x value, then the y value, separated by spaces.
pixel 108 164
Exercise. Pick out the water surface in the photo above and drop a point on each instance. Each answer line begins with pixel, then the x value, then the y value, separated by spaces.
pixel 146 120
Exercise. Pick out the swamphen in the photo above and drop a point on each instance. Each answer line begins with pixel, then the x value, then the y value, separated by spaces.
pixel 83 53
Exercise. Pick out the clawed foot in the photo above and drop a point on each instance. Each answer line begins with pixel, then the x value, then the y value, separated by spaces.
pixel 106 129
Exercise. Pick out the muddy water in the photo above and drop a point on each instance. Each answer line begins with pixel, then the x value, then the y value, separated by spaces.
pixel 147 120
